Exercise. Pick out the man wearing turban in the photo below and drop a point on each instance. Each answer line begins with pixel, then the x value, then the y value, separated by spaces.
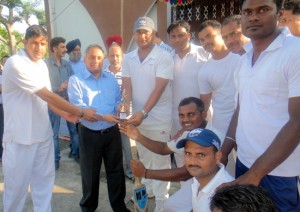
pixel 74 52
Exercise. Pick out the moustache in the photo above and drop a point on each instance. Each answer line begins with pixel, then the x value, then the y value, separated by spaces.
pixel 194 166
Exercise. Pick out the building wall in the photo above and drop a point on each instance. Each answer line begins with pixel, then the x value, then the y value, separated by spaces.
pixel 92 21
pixel 69 19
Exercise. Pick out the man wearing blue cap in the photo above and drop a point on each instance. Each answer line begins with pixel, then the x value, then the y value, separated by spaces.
pixel 203 162
pixel 74 52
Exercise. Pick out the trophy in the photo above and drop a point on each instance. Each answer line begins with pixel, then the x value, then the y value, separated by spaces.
pixel 123 114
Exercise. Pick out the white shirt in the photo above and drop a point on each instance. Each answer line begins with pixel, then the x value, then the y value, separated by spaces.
pixel 185 82
pixel 26 119
pixel 217 77
pixel 264 91
pixel 158 63
pixel 165 47
pixel 201 199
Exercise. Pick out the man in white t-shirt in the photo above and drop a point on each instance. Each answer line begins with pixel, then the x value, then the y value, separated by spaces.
pixel 188 59
pixel 268 85
pixel 146 75
pixel 232 34
pixel 216 75
pixel 192 115
pixel 28 150
pixel 203 162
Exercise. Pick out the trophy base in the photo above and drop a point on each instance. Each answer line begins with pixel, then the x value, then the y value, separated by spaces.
pixel 123 116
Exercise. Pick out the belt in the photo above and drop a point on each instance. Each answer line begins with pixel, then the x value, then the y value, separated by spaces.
pixel 102 132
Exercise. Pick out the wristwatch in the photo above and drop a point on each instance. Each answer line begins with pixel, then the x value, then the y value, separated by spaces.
pixel 145 114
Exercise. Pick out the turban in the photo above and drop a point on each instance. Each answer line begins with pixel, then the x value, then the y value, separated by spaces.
pixel 72 44
pixel 114 39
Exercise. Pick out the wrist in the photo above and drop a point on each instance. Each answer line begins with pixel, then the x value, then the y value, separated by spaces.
pixel 82 113
pixel 145 173
pixel 231 138
pixel 144 113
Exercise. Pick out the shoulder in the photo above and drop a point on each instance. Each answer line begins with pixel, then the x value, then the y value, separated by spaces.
pixel 130 55
pixel 161 55
pixel 292 44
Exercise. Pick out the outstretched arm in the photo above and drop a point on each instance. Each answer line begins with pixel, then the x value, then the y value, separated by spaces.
pixel 59 103
pixel 154 146
pixel 175 174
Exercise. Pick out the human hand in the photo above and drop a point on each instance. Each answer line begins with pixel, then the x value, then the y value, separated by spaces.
pixel 112 119
pixel 63 86
pixel 138 169
pixel 136 119
pixel 91 115
pixel 129 130
pixel 247 178
pixel 71 118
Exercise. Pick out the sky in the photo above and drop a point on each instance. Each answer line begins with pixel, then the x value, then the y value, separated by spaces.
pixel 22 26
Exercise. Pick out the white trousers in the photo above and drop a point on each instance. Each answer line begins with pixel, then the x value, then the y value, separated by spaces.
pixel 25 165
pixel 181 201
pixel 152 160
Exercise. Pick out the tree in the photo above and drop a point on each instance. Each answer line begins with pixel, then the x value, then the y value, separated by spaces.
pixel 18 11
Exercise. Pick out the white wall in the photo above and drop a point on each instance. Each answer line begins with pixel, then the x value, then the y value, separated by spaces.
pixel 69 19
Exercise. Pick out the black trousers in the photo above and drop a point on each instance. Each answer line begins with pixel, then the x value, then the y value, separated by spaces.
pixel 93 147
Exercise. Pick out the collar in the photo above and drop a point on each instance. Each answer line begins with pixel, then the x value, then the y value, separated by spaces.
pixel 193 50
pixel 151 55
pixel 208 188
pixel 53 61
pixel 86 74
pixel 276 43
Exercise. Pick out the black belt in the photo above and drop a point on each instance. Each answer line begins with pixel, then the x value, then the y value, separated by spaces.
pixel 102 132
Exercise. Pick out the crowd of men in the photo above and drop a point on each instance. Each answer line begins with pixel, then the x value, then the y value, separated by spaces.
pixel 239 90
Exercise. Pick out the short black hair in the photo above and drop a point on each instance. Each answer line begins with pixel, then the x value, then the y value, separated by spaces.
pixel 246 198
pixel 56 41
pixel 198 102
pixel 180 23
pixel 212 23
pixel 35 31
pixel 232 18
pixel 5 56
pixel 293 5
pixel 279 3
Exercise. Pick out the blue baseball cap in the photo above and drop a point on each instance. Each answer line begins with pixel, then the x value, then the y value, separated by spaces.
pixel 203 137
